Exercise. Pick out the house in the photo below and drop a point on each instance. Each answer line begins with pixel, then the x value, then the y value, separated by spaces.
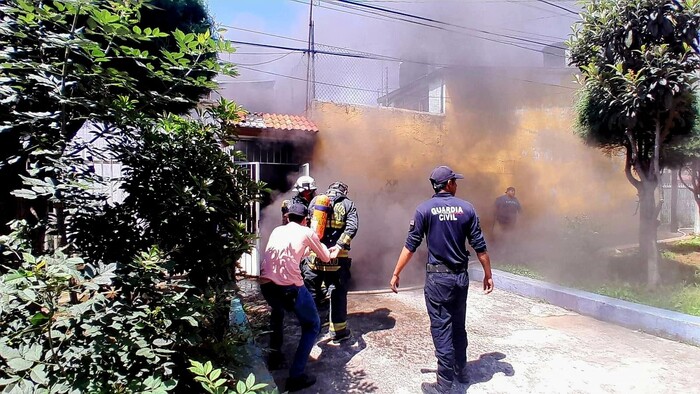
pixel 275 147
pixel 424 88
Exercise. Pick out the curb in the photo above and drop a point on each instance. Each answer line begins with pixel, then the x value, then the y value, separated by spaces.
pixel 656 321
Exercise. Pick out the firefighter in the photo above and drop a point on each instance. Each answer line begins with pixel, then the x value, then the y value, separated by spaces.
pixel 305 188
pixel 341 227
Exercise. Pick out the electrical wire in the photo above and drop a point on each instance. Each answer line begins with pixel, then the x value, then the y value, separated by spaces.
pixel 304 80
pixel 267 62
pixel 458 1
pixel 439 22
pixel 367 56
pixel 368 13
pixel 376 91
pixel 558 6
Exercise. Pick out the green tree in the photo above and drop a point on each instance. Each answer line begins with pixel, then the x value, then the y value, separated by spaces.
pixel 106 298
pixel 116 48
pixel 638 60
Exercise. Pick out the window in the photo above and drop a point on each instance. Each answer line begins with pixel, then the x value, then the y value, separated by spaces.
pixel 436 97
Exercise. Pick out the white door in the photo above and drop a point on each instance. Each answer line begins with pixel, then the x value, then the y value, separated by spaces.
pixel 250 262
pixel 304 169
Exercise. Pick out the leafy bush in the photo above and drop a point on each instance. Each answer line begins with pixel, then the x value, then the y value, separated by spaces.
pixel 104 298
pixel 581 236
pixel 209 379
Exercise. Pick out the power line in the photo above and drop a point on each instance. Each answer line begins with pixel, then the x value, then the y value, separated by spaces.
pixel 305 41
pixel 431 20
pixel 536 7
pixel 256 53
pixel 369 13
pixel 268 61
pixel 458 1
pixel 395 19
pixel 558 6
pixel 304 80
pixel 322 52
pixel 368 16
pixel 267 34
pixel 358 55
pixel 376 91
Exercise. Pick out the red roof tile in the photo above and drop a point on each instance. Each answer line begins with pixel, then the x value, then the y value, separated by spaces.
pixel 277 121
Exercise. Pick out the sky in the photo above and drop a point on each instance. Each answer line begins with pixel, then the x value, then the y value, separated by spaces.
pixel 355 29
pixel 273 16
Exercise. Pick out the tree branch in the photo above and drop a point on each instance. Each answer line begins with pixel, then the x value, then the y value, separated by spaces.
pixel 64 72
pixel 628 168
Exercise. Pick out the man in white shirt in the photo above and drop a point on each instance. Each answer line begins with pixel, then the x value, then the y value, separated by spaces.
pixel 283 289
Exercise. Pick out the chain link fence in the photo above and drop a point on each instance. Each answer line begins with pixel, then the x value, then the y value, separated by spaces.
pixel 354 79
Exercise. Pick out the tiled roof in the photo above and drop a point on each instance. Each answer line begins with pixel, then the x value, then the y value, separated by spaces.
pixel 277 121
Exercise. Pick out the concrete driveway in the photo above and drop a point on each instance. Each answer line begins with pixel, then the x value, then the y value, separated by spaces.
pixel 516 345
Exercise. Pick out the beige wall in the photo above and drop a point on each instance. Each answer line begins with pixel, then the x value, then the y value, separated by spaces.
pixel 386 155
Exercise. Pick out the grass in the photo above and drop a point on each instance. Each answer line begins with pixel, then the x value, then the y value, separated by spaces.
pixel 521 270
pixel 680 298
pixel 683 297
pixel 686 251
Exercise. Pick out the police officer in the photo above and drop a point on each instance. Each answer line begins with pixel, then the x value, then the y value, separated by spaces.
pixel 305 188
pixel 448 223
pixel 340 229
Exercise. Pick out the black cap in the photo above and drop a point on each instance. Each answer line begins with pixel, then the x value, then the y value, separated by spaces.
pixel 298 210
pixel 442 174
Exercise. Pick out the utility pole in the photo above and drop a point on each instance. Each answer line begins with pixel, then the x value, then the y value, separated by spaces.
pixel 311 57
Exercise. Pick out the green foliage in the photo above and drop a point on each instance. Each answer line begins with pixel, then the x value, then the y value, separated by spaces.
pixel 521 270
pixel 638 61
pixel 184 194
pixel 692 244
pixel 680 298
pixel 68 62
pixel 210 381
pixel 637 67
pixel 114 298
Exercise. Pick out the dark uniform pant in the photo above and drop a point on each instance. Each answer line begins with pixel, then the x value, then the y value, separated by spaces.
pixel 337 287
pixel 446 300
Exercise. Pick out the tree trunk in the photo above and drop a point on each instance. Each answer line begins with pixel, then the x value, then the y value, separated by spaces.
pixel 673 225
pixel 648 225
pixel 695 179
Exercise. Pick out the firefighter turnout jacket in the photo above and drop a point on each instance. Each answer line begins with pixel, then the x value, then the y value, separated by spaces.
pixel 341 226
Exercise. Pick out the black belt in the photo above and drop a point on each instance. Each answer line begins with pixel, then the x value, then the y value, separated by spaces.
pixel 443 269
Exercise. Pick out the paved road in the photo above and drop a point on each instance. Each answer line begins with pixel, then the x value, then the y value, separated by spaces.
pixel 516 345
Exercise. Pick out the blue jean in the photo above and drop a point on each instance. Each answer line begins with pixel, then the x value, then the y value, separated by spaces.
pixel 295 299
pixel 446 300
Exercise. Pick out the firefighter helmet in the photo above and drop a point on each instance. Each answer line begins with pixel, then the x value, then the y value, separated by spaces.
pixel 305 182
pixel 338 188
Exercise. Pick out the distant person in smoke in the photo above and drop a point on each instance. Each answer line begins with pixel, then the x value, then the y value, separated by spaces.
pixel 448 223
pixel 305 188
pixel 340 228
pixel 283 288
pixel 507 209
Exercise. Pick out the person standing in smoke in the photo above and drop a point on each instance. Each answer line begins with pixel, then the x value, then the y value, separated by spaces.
pixel 305 188
pixel 340 228
pixel 448 223
pixel 507 209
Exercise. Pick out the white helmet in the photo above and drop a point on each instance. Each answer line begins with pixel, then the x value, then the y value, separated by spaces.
pixel 305 182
